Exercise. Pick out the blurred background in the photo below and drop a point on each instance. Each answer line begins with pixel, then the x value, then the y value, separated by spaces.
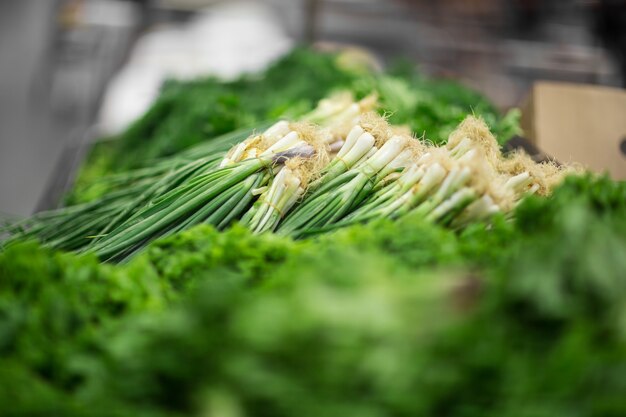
pixel 75 70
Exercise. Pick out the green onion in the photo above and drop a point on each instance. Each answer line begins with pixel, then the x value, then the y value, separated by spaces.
pixel 284 178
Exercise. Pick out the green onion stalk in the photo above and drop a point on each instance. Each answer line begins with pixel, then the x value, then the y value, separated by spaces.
pixel 142 178
pixel 443 188
pixel 357 145
pixel 414 186
pixel 285 190
pixel 334 200
pixel 442 194
pixel 217 197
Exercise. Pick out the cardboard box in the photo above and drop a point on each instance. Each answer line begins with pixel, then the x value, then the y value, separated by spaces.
pixel 578 123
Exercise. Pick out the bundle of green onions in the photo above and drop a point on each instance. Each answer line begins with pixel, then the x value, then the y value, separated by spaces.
pixel 81 226
pixel 342 164
pixel 467 180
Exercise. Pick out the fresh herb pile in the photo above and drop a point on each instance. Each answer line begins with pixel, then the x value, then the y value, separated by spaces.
pixel 334 266
pixel 389 318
